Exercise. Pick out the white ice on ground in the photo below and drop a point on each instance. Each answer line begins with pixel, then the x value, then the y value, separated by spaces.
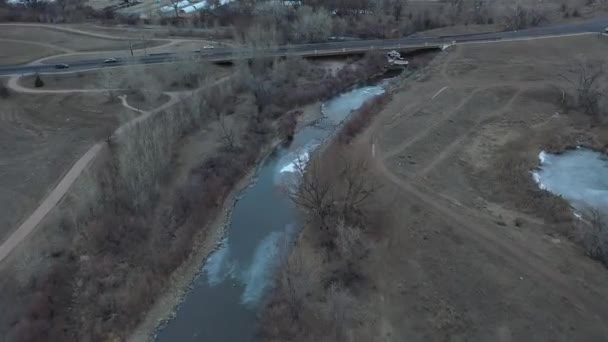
pixel 579 176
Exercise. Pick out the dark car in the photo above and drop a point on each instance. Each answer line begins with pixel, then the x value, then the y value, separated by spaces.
pixel 61 66
pixel 110 61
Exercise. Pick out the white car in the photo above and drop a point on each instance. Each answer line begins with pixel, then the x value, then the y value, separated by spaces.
pixel 606 30
pixel 208 46
pixel 110 61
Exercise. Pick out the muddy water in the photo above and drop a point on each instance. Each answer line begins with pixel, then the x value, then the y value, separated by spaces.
pixel 222 305
pixel 579 176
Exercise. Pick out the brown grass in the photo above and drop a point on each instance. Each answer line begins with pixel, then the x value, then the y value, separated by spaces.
pixel 124 239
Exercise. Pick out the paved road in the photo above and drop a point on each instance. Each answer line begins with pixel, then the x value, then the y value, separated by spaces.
pixel 332 48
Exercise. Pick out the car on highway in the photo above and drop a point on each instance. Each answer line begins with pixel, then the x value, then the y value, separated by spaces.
pixel 606 30
pixel 110 61
pixel 208 46
pixel 61 66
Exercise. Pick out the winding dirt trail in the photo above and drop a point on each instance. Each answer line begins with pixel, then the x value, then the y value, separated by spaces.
pixel 13 84
pixel 59 191
pixel 472 223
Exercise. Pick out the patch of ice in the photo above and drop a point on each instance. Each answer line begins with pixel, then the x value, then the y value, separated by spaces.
pixel 217 267
pixel 259 275
pixel 542 156
pixel 297 163
pixel 579 176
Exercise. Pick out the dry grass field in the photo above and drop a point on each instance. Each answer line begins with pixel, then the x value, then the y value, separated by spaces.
pixel 18 51
pixel 42 135
pixel 468 249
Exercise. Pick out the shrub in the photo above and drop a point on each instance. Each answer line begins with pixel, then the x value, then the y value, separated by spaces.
pixel 38 83
pixel 593 235
pixel 4 92
pixel 361 118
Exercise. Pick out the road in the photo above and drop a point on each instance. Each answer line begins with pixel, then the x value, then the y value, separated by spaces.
pixel 319 49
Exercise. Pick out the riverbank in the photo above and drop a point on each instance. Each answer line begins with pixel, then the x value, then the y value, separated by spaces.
pixel 469 244
pixel 182 279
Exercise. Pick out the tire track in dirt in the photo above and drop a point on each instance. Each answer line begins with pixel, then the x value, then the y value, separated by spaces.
pixel 413 139
pixel 478 226
pixel 452 147
pixel 474 227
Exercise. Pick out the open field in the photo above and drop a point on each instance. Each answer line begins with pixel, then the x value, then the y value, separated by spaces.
pixel 468 248
pixel 19 51
pixel 157 31
pixel 42 135
pixel 67 40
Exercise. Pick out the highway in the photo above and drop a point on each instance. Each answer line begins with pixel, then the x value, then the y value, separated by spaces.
pixel 319 49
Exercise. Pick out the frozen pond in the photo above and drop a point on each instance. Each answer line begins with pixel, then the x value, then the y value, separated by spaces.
pixel 579 176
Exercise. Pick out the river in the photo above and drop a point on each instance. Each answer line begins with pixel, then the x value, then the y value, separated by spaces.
pixel 224 300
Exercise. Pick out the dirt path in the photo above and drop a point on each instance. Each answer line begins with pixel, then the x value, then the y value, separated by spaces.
pixel 13 84
pixel 30 224
pixel 470 222
pixel 123 100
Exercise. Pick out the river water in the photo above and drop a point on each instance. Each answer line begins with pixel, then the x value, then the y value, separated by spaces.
pixel 223 303
pixel 579 176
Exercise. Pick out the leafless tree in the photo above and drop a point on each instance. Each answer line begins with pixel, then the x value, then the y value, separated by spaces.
pixel 313 193
pixel 593 235
pixel 454 8
pixel 175 3
pixel 110 81
pixel 228 132
pixel 357 185
pixel 478 11
pixel 299 275
pixel 312 26
pixel 585 79
pixel 519 16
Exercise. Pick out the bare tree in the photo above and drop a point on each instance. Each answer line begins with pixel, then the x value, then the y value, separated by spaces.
pixel 314 192
pixel 299 275
pixel 110 81
pixel 479 11
pixel 357 185
pixel 593 235
pixel 585 82
pixel 312 26
pixel 454 8
pixel 175 4
pixel 519 16
pixel 228 132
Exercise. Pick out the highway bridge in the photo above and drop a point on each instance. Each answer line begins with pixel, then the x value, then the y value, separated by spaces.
pixel 320 49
